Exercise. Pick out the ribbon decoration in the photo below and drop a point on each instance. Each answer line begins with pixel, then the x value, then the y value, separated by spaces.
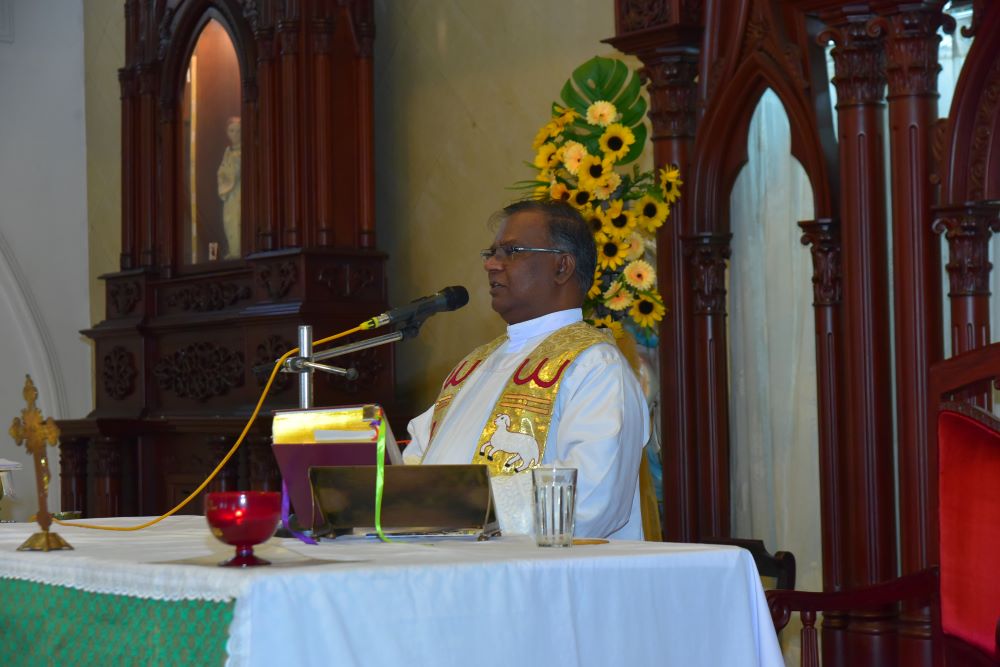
pixel 379 474
pixel 284 516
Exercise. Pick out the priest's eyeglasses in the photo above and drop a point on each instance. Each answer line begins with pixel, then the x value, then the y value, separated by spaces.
pixel 505 252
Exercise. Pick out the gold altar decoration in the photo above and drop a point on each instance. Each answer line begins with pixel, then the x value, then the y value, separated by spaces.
pixel 35 433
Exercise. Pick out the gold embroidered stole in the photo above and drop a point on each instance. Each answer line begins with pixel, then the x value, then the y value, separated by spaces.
pixel 514 436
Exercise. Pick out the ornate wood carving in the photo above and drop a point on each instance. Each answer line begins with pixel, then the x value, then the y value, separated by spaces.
pixel 118 373
pixel 709 254
pixel 267 351
pixel 206 297
pixel 73 473
pixel 349 282
pixel 985 121
pixel 200 371
pixel 912 47
pixel 823 239
pixel 673 89
pixel 859 61
pixel 635 15
pixel 278 278
pixel 123 297
pixel 968 229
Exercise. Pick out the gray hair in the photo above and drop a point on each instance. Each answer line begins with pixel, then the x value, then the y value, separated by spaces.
pixel 568 231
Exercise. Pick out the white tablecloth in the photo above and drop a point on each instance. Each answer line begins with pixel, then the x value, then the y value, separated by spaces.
pixel 503 602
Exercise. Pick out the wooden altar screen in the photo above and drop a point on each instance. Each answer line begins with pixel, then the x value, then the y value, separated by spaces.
pixel 195 316
pixel 707 64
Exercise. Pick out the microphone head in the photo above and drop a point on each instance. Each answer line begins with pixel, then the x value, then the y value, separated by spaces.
pixel 456 296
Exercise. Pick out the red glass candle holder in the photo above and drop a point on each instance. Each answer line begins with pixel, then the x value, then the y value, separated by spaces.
pixel 243 519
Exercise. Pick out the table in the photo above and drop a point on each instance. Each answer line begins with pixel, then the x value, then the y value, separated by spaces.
pixel 355 601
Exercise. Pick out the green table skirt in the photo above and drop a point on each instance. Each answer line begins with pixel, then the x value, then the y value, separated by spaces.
pixel 41 624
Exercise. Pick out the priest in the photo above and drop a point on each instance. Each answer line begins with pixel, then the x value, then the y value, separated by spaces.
pixel 553 390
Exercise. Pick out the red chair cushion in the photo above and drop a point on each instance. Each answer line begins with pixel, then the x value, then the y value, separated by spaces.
pixel 969 516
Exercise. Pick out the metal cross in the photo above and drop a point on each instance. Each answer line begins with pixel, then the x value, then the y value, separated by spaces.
pixel 35 433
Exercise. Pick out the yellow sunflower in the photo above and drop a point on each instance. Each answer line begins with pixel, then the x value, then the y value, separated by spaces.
pixel 592 170
pixel 548 131
pixel 647 310
pixel 616 141
pixel 573 153
pixel 563 116
pixel 545 158
pixel 619 221
pixel 559 192
pixel 651 213
pixel 601 113
pixel 670 181
pixel 596 222
pixel 639 275
pixel 581 198
pixel 610 254
pixel 595 287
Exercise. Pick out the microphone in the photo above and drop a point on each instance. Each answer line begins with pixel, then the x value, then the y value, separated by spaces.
pixel 450 298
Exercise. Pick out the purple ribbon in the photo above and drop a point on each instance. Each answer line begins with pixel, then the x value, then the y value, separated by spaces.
pixel 284 516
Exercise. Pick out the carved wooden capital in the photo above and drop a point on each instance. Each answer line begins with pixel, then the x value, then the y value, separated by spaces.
pixel 823 237
pixel 673 92
pixel 708 253
pixel 322 35
pixel 858 61
pixel 968 228
pixel 118 373
pixel 912 47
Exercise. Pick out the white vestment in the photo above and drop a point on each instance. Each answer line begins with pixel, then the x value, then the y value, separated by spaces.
pixel 599 426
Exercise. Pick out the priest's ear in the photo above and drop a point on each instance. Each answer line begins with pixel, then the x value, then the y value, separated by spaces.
pixel 565 268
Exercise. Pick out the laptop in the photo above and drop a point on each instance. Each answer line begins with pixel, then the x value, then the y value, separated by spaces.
pixel 417 500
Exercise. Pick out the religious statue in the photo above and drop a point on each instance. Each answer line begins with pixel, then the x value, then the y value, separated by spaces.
pixel 229 187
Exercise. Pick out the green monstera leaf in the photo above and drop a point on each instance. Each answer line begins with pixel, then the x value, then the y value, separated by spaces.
pixel 609 80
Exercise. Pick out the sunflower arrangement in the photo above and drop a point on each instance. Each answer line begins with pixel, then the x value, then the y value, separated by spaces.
pixel 580 157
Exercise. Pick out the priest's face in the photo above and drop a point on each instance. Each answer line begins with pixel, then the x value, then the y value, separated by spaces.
pixel 523 285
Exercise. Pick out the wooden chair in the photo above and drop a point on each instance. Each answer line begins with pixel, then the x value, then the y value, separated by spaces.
pixel 964 591
pixel 780 566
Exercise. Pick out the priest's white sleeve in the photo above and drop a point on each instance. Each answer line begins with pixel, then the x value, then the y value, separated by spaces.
pixel 420 432
pixel 599 426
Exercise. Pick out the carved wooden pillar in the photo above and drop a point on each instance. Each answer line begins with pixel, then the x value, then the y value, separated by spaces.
pixel 968 228
pixel 912 68
pixel 364 27
pixel 673 93
pixel 268 196
pixel 708 253
pixel 322 86
pixel 73 474
pixel 291 212
pixel 105 469
pixel 823 237
pixel 148 75
pixel 870 545
pixel 670 58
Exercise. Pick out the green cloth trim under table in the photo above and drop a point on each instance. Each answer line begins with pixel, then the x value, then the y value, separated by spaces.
pixel 42 624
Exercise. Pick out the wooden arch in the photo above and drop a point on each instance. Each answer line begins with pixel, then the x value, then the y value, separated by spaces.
pixel 721 146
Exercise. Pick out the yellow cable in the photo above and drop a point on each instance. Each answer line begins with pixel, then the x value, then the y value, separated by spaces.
pixel 239 441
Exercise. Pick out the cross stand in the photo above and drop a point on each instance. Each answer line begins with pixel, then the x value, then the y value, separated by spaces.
pixel 35 433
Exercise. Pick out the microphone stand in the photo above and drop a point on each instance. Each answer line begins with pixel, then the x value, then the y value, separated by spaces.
pixel 304 365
